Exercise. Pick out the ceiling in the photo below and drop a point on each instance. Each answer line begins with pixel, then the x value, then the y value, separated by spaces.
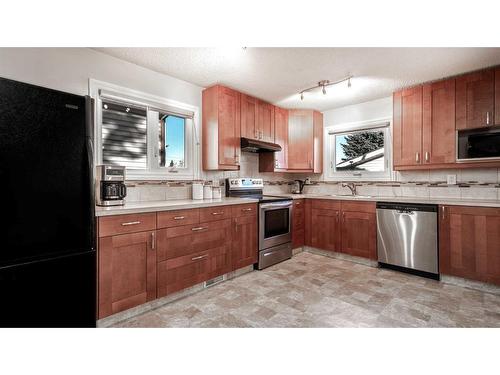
pixel 278 74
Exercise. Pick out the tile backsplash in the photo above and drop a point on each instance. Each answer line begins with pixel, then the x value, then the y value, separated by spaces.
pixel 481 183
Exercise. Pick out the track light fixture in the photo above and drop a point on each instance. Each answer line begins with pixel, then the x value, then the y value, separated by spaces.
pixel 324 83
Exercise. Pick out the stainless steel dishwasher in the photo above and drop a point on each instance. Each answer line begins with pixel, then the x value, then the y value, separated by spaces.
pixel 407 237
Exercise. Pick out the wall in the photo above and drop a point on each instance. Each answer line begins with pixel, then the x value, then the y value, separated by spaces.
pixel 69 69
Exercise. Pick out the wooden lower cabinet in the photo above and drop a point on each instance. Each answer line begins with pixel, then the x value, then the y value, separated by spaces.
pixel 190 254
pixel 347 227
pixel 127 271
pixel 298 223
pixel 244 244
pixel 325 225
pixel 469 243
pixel 359 229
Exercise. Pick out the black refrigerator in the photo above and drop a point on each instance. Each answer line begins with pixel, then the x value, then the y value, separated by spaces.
pixel 47 239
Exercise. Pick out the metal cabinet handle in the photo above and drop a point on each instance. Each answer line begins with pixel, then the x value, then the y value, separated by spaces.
pixel 218 213
pixel 343 217
pixel 246 209
pixel 417 157
pixel 195 229
pixel 443 211
pixel 487 118
pixel 179 217
pixel 337 216
pixel 153 240
pixel 199 257
pixel 427 156
pixel 131 223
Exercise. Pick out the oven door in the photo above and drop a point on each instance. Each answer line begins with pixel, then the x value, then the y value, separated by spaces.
pixel 275 224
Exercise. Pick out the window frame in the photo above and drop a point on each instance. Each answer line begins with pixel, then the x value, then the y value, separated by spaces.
pixel 155 105
pixel 384 124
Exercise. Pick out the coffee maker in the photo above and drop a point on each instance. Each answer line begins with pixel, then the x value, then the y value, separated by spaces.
pixel 110 185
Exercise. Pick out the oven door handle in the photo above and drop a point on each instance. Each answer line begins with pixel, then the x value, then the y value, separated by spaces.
pixel 277 204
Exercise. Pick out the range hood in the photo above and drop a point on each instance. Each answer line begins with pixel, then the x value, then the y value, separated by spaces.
pixel 253 145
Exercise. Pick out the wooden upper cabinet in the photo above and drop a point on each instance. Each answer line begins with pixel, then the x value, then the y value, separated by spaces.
pixel 407 127
pixel 475 100
pixel 249 127
pixel 469 242
pixel 438 133
pixel 300 140
pixel 317 142
pixel 277 161
pixel 127 271
pixel 281 137
pixel 221 128
pixel 265 121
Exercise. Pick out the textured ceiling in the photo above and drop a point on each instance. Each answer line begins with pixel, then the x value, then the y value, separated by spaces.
pixel 278 74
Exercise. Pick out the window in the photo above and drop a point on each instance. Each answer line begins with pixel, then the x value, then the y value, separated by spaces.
pixel 359 151
pixel 172 141
pixel 152 137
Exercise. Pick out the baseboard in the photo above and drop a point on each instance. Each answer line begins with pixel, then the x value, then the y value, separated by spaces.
pixel 471 284
pixel 341 256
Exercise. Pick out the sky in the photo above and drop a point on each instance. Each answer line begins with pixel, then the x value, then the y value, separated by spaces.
pixel 174 139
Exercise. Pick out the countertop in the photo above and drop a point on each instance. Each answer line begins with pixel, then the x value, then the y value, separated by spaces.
pixel 447 201
pixel 168 205
pixel 181 204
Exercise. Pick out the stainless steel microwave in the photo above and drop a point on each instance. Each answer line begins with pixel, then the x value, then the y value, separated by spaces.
pixel 478 144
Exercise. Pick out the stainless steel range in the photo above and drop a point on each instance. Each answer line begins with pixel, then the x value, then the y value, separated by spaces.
pixel 275 219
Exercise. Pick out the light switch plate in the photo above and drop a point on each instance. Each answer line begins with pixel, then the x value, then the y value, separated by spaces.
pixel 451 179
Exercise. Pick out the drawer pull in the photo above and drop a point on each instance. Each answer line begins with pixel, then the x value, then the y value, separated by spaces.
pixel 153 240
pixel 131 223
pixel 179 217
pixel 218 213
pixel 195 229
pixel 199 257
pixel 246 209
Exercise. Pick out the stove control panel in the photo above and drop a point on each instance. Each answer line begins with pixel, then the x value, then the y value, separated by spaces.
pixel 245 183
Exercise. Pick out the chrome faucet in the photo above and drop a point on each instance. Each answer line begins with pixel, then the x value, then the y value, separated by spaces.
pixel 351 186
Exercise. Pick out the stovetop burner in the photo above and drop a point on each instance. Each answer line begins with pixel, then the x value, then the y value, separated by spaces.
pixel 250 188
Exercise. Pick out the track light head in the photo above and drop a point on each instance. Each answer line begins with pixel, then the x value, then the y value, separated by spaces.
pixel 349 82
pixel 324 90
pixel 301 96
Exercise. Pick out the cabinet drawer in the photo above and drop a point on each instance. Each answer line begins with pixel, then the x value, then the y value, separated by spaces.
pixel 215 213
pixel 325 204
pixel 188 239
pixel 244 210
pixel 122 224
pixel 368 207
pixel 182 272
pixel 168 219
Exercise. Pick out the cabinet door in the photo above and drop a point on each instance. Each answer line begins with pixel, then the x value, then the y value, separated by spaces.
pixel 359 231
pixel 127 271
pixel 469 243
pixel 497 96
pixel 266 121
pixel 281 137
pixel 244 247
pixel 300 140
pixel 229 127
pixel 438 140
pixel 249 127
pixel 298 223
pixel 407 127
pixel 317 142
pixel 475 96
pixel 325 229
